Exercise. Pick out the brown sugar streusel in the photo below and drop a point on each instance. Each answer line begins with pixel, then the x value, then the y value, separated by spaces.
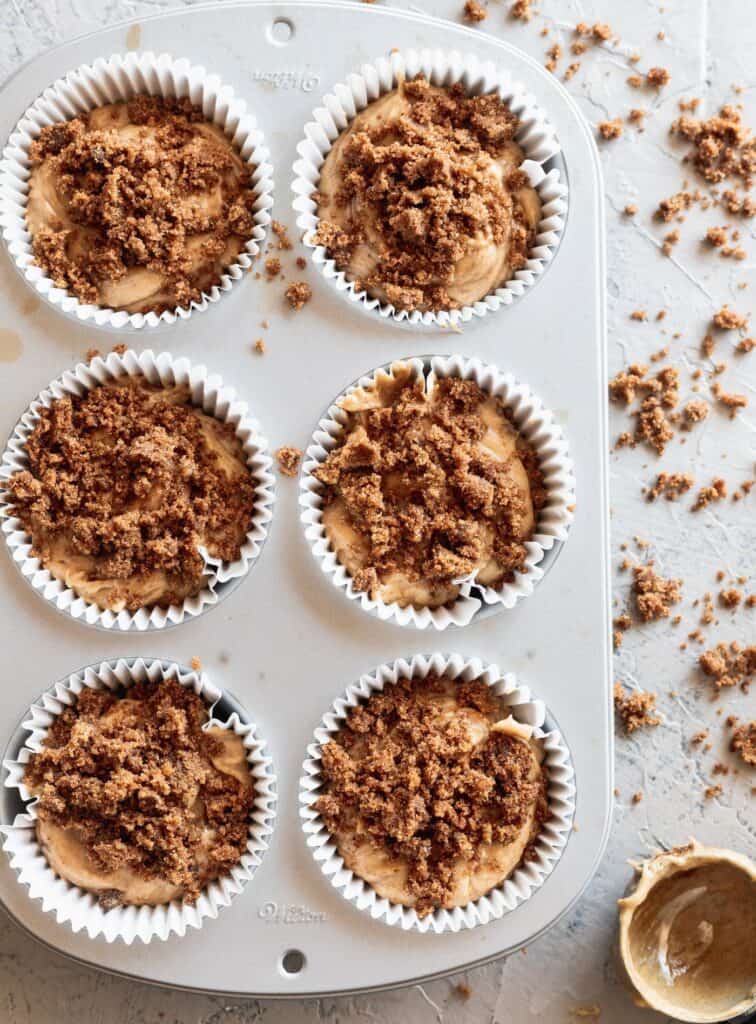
pixel 425 488
pixel 421 199
pixel 135 801
pixel 124 486
pixel 138 206
pixel 432 794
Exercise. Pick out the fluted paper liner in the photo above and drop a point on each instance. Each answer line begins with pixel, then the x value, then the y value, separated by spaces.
pixel 119 78
pixel 535 424
pixel 536 137
pixel 207 393
pixel 526 878
pixel 79 908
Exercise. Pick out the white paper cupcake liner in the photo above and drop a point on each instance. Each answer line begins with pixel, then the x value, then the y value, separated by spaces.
pixel 208 394
pixel 77 907
pixel 526 878
pixel 535 424
pixel 536 137
pixel 121 77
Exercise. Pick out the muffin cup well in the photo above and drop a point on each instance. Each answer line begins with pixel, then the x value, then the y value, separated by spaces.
pixel 536 137
pixel 525 879
pixel 77 907
pixel 208 394
pixel 535 423
pixel 121 77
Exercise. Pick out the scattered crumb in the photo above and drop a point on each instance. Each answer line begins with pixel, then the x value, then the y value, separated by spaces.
pixel 715 491
pixel 473 11
pixel 630 210
pixel 654 596
pixel 639 314
pixel 730 598
pixel 657 77
pixel 554 54
pixel 732 402
pixel 712 791
pixel 611 129
pixel 272 267
pixel 671 485
pixel 727 319
pixel 260 347
pixel 520 9
pixel 731 665
pixel 289 458
pixel 636 710
pixel 297 294
pixel 744 742
pixel 282 235
pixel 637 797
pixel 196 664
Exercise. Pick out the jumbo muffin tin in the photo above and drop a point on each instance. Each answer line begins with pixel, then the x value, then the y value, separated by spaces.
pixel 285 643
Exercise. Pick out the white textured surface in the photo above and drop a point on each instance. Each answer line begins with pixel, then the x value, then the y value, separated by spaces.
pixel 707 48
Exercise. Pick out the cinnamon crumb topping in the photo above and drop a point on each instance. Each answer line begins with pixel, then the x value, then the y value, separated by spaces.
pixel 407 777
pixel 429 500
pixel 132 479
pixel 127 775
pixel 475 12
pixel 423 184
pixel 137 201
pixel 715 491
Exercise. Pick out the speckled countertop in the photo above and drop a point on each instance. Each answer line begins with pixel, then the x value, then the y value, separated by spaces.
pixel 708 49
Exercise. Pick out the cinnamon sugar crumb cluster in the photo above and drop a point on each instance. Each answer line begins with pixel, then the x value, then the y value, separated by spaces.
pixel 729 665
pixel 427 180
pixel 129 783
pixel 743 742
pixel 475 12
pixel 125 476
pixel 654 595
pixel 671 485
pixel 636 710
pixel 413 784
pixel 715 491
pixel 129 197
pixel 298 294
pixel 288 459
pixel 659 392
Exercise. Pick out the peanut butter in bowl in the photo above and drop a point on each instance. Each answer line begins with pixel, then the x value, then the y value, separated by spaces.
pixel 687 934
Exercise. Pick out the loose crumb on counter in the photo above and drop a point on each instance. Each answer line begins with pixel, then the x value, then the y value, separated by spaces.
pixel 671 485
pixel 611 129
pixel 715 491
pixel 729 665
pixel 654 595
pixel 636 710
pixel 473 11
pixel 743 742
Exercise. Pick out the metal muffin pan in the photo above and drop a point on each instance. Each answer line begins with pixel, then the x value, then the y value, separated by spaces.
pixel 285 642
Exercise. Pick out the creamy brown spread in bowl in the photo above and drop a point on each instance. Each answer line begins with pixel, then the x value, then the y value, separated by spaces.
pixel 136 802
pixel 687 934
pixel 428 486
pixel 432 792
pixel 138 206
pixel 124 486
pixel 422 201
